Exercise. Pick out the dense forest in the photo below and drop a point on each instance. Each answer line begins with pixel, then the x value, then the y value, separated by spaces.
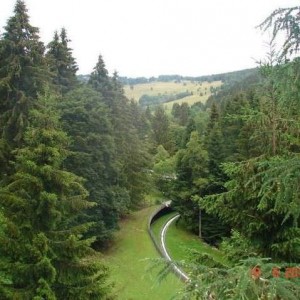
pixel 73 161
pixel 76 156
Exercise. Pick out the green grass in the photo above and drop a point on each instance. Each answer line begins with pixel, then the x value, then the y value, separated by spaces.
pixel 182 244
pixel 201 91
pixel 128 264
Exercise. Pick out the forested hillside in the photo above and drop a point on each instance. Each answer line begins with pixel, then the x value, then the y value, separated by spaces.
pixel 77 156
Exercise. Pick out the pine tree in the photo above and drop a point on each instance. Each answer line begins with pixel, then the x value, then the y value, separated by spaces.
pixel 184 114
pixel 250 279
pixel 46 257
pixel 99 79
pixel 160 128
pixel 23 73
pixel 215 148
pixel 213 118
pixel 192 174
pixel 176 110
pixel 87 121
pixel 231 124
pixel 284 20
pixel 61 62
pixel 131 152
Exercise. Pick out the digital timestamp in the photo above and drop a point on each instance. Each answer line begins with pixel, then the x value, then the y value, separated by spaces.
pixel 288 273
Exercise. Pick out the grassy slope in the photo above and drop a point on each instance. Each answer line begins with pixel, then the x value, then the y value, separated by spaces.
pixel 180 243
pixel 129 269
pixel 156 88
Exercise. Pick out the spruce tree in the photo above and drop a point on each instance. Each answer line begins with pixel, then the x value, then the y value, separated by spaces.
pixel 61 62
pixel 192 174
pixel 87 121
pixel 131 152
pixel 215 148
pixel 160 128
pixel 46 257
pixel 99 79
pixel 23 73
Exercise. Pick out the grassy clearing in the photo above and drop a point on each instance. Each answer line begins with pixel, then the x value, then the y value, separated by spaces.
pixel 200 91
pixel 128 264
pixel 190 100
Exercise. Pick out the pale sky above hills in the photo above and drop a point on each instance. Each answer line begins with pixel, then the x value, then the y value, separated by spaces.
pixel 153 37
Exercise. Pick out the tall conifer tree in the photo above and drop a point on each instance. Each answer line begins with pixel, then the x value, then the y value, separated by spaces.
pixel 47 257
pixel 100 80
pixel 87 121
pixel 23 73
pixel 132 157
pixel 61 62
pixel 160 128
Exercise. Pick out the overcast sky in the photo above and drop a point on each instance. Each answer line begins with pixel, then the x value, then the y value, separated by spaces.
pixel 153 37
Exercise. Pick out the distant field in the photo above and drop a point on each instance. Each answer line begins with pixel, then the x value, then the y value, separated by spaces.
pixel 200 91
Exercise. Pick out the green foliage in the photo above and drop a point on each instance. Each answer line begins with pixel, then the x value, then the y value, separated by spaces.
pixel 237 247
pixel 287 20
pixel 250 196
pixel 191 170
pixel 252 144
pixel 46 255
pixel 160 128
pixel 159 99
pixel 215 147
pixel 99 78
pixel 239 283
pixel 181 113
pixel 198 176
pixel 23 73
pixel 164 170
pixel 86 119
pixel 61 63
pixel 131 153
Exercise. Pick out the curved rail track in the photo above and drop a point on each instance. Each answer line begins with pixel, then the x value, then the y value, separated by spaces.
pixel 161 244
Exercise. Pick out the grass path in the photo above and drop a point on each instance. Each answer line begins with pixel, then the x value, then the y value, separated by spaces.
pixel 128 264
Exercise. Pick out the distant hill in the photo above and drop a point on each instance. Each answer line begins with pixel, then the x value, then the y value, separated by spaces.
pixel 170 92
pixel 224 77
pixel 170 89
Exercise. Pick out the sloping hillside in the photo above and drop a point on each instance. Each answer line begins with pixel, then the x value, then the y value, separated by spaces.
pixel 172 92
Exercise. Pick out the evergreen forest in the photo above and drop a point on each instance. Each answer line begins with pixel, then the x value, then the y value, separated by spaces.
pixel 77 156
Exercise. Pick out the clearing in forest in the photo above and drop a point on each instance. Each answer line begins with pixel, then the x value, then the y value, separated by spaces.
pixel 127 260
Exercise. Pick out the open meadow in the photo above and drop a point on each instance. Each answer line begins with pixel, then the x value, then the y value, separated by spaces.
pixel 199 91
